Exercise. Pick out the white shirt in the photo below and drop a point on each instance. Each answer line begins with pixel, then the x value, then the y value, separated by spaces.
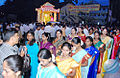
pixel 8 27
pixel 86 32
pixel 53 32
pixel 40 33
pixel 31 26
pixel 22 29
pixel 67 31
pixel 56 27
pixel 48 29
pixel 37 35
pixel 26 28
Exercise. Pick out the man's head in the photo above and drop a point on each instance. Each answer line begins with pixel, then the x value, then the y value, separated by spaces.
pixel 12 37
pixel 38 27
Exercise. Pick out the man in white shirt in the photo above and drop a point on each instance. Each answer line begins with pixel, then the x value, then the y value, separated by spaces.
pixel 85 31
pixel 68 30
pixel 56 27
pixel 37 33
pixel 31 26
pixel 41 31
pixel 53 32
pixel 48 28
pixel 22 29
pixel 26 28
pixel 60 26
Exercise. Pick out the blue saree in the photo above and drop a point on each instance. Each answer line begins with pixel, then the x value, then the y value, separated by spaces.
pixel 33 51
pixel 93 68
pixel 78 58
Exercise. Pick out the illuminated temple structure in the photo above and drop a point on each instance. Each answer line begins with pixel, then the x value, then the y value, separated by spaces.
pixel 47 13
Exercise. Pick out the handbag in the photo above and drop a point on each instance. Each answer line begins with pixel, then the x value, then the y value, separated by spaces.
pixel 27 61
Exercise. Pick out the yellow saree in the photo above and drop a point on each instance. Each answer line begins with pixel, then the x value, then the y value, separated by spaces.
pixel 108 42
pixel 66 65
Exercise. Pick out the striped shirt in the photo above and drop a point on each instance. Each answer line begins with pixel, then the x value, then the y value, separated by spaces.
pixel 5 51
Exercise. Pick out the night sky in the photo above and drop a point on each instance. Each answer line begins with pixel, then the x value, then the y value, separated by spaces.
pixel 102 2
pixel 2 2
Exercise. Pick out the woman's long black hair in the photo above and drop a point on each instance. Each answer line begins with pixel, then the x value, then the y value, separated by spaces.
pixel 44 53
pixel 76 40
pixel 33 40
pixel 74 29
pixel 98 34
pixel 107 31
pixel 91 40
pixel 82 30
pixel 47 35
pixel 58 31
pixel 66 44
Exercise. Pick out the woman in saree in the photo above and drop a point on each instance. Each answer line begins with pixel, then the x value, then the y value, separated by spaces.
pixel 66 64
pixel 63 30
pixel 91 33
pixel 93 54
pixel 101 47
pixel 32 50
pixel 118 31
pixel 46 68
pixel 72 35
pixel 59 40
pixel 116 45
pixel 81 34
pixel 77 54
pixel 108 41
pixel 46 44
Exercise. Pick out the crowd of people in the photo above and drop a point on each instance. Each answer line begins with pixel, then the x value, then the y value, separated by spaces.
pixel 59 51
